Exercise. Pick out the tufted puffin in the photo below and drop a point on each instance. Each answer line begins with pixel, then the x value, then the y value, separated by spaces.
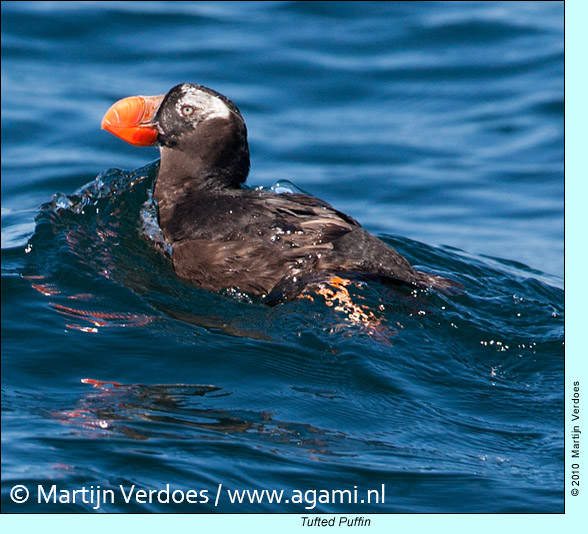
pixel 223 236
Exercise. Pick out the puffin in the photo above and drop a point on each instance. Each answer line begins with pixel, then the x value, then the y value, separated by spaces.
pixel 225 236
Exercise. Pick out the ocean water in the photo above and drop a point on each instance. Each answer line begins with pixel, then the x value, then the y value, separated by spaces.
pixel 438 126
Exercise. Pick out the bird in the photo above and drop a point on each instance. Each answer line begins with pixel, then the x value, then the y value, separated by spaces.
pixel 223 235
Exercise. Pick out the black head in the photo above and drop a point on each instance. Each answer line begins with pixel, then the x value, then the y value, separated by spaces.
pixel 206 128
pixel 186 107
pixel 201 135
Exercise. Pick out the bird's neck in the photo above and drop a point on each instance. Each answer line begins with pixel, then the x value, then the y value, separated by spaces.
pixel 183 176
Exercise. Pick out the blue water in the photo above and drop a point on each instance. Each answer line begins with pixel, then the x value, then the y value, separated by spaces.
pixel 439 126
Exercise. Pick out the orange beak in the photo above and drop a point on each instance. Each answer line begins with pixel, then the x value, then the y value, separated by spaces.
pixel 131 119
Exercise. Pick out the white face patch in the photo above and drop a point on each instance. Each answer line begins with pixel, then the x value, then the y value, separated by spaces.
pixel 208 106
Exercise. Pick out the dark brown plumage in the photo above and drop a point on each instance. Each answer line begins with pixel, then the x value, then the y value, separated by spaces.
pixel 259 242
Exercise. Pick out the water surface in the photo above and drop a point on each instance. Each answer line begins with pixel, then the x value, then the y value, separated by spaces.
pixel 439 126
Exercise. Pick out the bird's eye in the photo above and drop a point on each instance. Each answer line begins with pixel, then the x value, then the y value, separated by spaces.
pixel 187 110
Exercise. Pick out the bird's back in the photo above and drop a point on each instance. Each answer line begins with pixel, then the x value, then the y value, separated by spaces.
pixel 266 243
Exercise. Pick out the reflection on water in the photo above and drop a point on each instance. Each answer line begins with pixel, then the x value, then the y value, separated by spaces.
pixel 177 413
pixel 437 125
